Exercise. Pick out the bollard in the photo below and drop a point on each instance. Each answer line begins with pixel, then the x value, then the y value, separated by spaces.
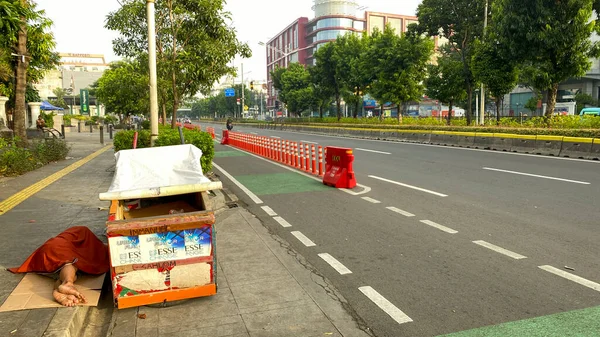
pixel 135 138
pixel 110 131
pixel 91 128
pixel 314 160
pixel 306 159
pixel 62 129
pixel 102 134
pixel 181 135
pixel 79 127
pixel 321 173
pixel 301 166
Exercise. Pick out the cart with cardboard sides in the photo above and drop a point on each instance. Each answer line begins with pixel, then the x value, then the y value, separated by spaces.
pixel 161 232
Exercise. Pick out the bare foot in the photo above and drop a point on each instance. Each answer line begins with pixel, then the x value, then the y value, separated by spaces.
pixel 67 288
pixel 66 300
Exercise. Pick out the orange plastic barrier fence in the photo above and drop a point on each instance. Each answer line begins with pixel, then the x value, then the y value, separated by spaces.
pixel 301 156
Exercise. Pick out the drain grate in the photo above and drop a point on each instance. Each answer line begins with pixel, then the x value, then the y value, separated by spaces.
pixel 232 205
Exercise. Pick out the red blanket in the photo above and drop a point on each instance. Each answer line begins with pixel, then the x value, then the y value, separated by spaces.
pixel 77 244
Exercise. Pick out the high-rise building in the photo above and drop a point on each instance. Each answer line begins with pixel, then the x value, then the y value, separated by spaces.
pixel 302 38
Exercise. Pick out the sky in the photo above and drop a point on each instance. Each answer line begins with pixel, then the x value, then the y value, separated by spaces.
pixel 79 24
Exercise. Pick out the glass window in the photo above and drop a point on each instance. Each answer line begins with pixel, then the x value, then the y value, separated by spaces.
pixel 396 24
pixel 330 34
pixel 360 25
pixel 376 22
pixel 335 22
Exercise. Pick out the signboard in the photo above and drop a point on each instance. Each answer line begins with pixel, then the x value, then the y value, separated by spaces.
pixel 84 98
pixel 229 92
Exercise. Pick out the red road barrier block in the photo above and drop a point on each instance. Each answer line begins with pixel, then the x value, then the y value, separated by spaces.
pixel 225 138
pixel 338 167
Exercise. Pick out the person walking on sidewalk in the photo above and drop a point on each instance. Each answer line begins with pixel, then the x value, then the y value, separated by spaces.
pixel 65 256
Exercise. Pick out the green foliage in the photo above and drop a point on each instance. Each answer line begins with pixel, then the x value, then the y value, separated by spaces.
pixel 15 160
pixel 326 77
pixel 584 100
pixel 110 119
pixel 296 91
pixel 399 65
pixel 445 80
pixel 352 68
pixel 146 124
pixel 67 120
pixel 532 103
pixel 48 118
pixel 552 38
pixel 195 43
pixel 60 98
pixel 124 88
pixel 168 136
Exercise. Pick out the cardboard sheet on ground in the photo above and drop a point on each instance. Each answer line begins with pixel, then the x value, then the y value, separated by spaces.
pixel 35 291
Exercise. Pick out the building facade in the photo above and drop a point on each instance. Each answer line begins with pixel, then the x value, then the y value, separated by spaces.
pixel 300 40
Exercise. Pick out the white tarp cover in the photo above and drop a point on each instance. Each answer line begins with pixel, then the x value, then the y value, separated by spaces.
pixel 156 167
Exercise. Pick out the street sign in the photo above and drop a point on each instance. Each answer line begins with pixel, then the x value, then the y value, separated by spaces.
pixel 239 102
pixel 84 98
pixel 229 92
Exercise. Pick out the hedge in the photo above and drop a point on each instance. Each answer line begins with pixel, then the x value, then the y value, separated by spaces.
pixel 167 136
pixel 16 160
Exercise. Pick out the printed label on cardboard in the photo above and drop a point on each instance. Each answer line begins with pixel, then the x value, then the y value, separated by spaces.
pixel 162 246
pixel 125 250
pixel 198 242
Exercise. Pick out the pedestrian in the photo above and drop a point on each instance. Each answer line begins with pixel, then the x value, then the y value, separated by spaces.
pixel 229 124
pixel 40 123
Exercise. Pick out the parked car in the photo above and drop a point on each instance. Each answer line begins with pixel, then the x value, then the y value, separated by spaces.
pixel 590 112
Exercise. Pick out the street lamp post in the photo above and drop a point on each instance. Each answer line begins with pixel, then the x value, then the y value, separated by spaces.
pixel 152 70
pixel 482 109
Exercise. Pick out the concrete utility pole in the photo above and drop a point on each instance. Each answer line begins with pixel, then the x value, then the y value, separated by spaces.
pixel 152 70
pixel 482 108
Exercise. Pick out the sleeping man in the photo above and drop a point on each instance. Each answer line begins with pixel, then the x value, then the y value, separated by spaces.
pixel 76 250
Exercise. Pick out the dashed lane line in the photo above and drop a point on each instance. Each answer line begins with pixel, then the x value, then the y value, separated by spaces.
pixel 306 241
pixel 500 250
pixel 373 151
pixel 17 198
pixel 537 176
pixel 399 211
pixel 282 222
pixel 335 264
pixel 385 305
pixel 269 210
pixel 440 227
pixel 409 186
pixel 571 277
pixel 371 200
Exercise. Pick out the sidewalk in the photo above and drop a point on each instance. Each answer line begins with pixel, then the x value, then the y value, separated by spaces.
pixel 264 287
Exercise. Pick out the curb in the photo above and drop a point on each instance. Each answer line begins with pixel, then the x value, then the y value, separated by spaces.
pixel 67 322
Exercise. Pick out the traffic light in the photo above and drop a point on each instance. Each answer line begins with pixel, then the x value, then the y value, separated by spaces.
pixel 277 105
pixel 251 85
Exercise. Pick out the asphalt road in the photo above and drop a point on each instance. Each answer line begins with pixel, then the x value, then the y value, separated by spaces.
pixel 452 239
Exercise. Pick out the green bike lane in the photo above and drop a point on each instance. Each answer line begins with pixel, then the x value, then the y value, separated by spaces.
pixel 277 187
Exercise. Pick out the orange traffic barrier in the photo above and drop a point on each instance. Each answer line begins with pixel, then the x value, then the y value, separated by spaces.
pixel 338 167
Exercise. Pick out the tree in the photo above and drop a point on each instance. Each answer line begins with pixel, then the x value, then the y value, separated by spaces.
pixel 194 42
pixel 296 89
pixel 321 93
pixel 123 89
pixel 461 22
pixel 552 37
pixel 495 70
pixel 24 32
pixel 399 65
pixel 60 94
pixel 352 69
pixel 445 80
pixel 327 74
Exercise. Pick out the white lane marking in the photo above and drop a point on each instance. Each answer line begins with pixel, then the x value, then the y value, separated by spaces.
pixel 238 184
pixel 385 305
pixel 253 133
pixel 500 250
pixel 399 211
pixel 337 265
pixel 275 137
pixel 371 200
pixel 366 189
pixel 306 241
pixel 367 150
pixel 537 176
pixel 571 277
pixel 409 186
pixel 282 222
pixel 269 210
pixel 306 141
pixel 440 227
pixel 452 148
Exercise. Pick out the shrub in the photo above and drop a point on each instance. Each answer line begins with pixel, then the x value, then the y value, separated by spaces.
pixel 146 125
pixel 67 120
pixel 15 160
pixel 48 118
pixel 166 137
pixel 110 119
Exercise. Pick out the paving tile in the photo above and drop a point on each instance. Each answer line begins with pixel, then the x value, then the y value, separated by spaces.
pixel 213 327
pixel 250 270
pixel 286 322
pixel 266 292
pixel 221 305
